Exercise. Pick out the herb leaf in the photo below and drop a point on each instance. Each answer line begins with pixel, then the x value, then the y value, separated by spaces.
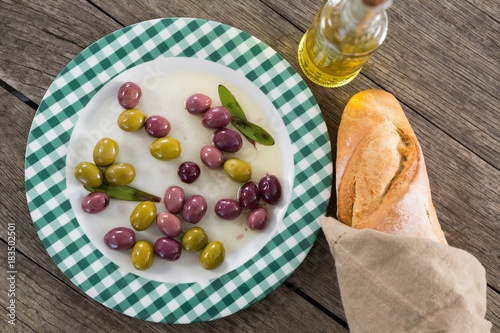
pixel 122 192
pixel 228 101
pixel 251 131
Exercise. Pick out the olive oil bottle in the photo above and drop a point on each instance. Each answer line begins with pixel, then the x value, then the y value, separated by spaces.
pixel 343 36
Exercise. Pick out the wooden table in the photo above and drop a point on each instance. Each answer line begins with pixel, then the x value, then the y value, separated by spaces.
pixel 441 60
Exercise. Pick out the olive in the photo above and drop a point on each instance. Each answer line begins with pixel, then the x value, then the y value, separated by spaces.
pixel 188 172
pixel 143 255
pixel 216 117
pixel 131 120
pixel 270 189
pixel 194 239
pixel 129 95
pixel 120 173
pixel 168 248
pixel 165 149
pixel 89 174
pixel 95 202
pixel 143 215
pixel 169 224
pixel 105 152
pixel 227 140
pixel 174 199
pixel 227 209
pixel 258 218
pixel 198 103
pixel 212 256
pixel 157 126
pixel 120 238
pixel 248 195
pixel 238 170
pixel 194 209
pixel 212 157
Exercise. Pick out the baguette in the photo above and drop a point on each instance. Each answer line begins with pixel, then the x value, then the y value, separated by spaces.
pixel 381 179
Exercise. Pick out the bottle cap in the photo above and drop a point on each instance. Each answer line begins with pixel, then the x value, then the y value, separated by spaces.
pixel 373 3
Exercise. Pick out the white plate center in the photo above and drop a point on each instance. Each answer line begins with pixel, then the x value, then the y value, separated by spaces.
pixel 166 83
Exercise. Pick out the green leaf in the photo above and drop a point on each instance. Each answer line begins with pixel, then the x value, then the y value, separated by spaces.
pixel 228 101
pixel 122 192
pixel 251 131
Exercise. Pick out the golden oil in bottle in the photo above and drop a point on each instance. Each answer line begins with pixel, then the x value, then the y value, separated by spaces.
pixel 344 35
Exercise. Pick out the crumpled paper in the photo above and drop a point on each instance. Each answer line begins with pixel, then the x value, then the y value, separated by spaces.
pixel 393 283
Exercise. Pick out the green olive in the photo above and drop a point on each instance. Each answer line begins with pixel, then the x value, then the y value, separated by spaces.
pixel 89 174
pixel 143 255
pixel 120 173
pixel 194 239
pixel 212 255
pixel 105 152
pixel 143 215
pixel 238 170
pixel 165 148
pixel 131 120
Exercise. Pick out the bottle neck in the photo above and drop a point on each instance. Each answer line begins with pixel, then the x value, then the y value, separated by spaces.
pixel 363 12
pixel 351 26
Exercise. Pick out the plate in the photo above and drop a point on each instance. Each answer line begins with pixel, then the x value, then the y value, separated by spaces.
pixel 170 59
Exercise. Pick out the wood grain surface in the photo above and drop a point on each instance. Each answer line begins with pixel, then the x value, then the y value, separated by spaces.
pixel 441 60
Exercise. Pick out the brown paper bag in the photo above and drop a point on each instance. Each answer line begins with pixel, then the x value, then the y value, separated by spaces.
pixel 392 283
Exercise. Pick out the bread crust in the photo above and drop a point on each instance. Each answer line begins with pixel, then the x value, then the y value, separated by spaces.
pixel 381 178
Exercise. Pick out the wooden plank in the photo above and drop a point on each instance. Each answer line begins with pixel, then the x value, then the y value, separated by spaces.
pixel 39 38
pixel 317 277
pixel 39 251
pixel 465 194
pixel 490 8
pixel 493 310
pixel 331 102
pixel 45 303
pixel 62 37
pixel 476 129
pixel 457 90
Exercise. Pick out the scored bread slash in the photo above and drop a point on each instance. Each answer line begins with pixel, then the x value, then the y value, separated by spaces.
pixel 124 192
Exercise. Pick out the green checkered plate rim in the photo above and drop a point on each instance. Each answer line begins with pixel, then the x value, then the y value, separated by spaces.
pixel 47 148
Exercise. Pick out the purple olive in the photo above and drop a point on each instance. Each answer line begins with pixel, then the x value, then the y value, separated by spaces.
pixel 194 209
pixel 120 238
pixel 129 95
pixel 198 103
pixel 227 140
pixel 270 189
pixel 212 157
pixel 95 202
pixel 188 172
pixel 258 219
pixel 157 126
pixel 248 195
pixel 227 209
pixel 174 199
pixel 169 224
pixel 168 248
pixel 216 117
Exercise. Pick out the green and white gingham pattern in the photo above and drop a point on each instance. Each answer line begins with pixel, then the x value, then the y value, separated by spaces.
pixel 47 147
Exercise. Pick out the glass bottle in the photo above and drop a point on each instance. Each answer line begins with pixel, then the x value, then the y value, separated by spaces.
pixel 343 36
